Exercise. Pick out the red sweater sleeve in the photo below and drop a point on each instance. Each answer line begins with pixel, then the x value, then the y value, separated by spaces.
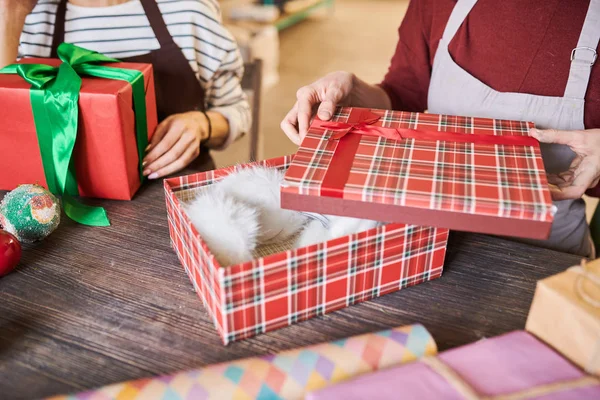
pixel 407 79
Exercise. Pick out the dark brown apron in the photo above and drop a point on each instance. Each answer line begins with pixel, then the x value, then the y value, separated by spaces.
pixel 177 88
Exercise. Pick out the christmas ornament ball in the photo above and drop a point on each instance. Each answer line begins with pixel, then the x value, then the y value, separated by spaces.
pixel 30 212
pixel 10 252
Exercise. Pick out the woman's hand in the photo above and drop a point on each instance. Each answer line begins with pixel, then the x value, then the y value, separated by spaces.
pixel 175 144
pixel 324 95
pixel 584 172
pixel 328 91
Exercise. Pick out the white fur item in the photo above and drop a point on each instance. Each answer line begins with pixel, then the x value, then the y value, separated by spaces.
pixel 242 211
pixel 315 232
pixel 259 187
pixel 228 226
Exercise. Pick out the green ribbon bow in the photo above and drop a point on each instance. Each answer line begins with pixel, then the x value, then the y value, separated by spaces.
pixel 54 100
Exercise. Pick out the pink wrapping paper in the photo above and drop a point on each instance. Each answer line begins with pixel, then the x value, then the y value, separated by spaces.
pixel 515 365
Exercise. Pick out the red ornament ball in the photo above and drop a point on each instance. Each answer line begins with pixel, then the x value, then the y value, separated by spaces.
pixel 10 252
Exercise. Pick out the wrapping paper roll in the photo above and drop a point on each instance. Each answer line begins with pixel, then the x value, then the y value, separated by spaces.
pixel 514 366
pixel 287 375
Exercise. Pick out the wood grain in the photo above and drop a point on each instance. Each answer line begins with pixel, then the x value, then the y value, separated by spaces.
pixel 93 306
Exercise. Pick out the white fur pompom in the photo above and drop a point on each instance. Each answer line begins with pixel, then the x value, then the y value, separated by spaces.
pixel 228 227
pixel 313 233
pixel 316 232
pixel 344 226
pixel 259 187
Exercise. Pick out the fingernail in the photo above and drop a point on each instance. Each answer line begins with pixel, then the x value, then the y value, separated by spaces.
pixel 324 115
pixel 153 175
pixel 144 163
pixel 148 147
pixel 147 172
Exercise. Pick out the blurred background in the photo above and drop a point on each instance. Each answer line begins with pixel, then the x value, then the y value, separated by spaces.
pixel 299 41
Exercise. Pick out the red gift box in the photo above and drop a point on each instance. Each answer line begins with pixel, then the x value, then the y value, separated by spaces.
pixel 106 156
pixel 471 174
pixel 289 286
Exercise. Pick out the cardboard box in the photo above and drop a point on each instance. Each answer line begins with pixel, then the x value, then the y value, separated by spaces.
pixel 291 285
pixel 565 313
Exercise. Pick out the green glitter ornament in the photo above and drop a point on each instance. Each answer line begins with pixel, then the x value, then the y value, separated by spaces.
pixel 30 212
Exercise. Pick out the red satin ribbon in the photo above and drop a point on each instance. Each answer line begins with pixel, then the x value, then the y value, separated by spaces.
pixel 361 122
pixel 364 126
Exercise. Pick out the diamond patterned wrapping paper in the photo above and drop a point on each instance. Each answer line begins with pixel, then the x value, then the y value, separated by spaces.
pixel 514 366
pixel 287 375
pixel 289 286
pixel 462 173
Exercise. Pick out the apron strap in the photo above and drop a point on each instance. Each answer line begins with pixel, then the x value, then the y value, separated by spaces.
pixel 157 23
pixel 59 28
pixel 459 13
pixel 584 55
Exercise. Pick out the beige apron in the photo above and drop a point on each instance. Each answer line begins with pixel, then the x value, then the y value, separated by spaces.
pixel 454 91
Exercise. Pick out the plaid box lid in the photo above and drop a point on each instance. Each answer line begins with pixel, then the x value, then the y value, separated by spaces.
pixel 464 173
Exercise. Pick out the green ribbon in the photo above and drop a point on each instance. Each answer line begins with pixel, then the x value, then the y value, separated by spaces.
pixel 54 100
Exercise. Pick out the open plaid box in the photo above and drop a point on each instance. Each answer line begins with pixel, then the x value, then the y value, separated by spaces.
pixel 283 286
pixel 470 174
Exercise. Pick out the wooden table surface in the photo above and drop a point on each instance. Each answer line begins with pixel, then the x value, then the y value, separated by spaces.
pixel 93 306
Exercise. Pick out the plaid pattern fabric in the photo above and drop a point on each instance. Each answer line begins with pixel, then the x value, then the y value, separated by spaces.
pixel 280 289
pixel 484 179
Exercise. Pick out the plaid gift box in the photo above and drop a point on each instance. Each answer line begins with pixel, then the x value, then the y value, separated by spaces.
pixel 281 286
pixel 463 173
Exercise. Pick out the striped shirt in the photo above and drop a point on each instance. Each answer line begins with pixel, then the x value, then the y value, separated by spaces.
pixel 123 30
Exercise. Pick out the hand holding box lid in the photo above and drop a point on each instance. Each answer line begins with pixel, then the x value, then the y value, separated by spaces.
pixel 463 173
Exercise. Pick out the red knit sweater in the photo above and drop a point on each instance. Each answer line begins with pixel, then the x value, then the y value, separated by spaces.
pixel 519 46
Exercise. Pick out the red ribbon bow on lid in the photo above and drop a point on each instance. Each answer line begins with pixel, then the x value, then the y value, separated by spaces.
pixel 364 125
pixel 365 120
